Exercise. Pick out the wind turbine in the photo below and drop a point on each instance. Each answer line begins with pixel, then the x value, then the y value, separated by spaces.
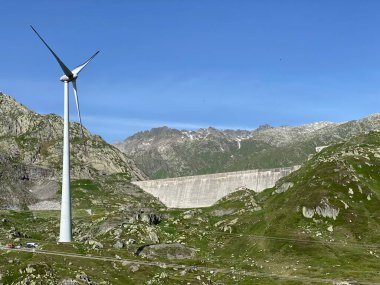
pixel 65 232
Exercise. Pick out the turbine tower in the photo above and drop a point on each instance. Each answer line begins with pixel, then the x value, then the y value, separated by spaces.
pixel 65 232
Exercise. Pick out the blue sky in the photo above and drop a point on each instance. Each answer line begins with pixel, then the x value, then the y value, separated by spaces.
pixel 191 63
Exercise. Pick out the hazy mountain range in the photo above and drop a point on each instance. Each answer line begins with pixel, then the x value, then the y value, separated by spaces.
pixel 165 152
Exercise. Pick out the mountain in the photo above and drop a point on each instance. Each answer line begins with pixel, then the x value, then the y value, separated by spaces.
pixel 31 156
pixel 335 195
pixel 319 225
pixel 322 220
pixel 165 152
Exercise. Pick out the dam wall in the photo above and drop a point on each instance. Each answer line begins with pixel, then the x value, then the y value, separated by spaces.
pixel 204 190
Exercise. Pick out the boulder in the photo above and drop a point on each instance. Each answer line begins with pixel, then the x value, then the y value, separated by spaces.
pixel 169 251
pixel 118 245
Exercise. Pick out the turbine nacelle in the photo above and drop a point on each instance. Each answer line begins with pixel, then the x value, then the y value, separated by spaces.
pixel 65 78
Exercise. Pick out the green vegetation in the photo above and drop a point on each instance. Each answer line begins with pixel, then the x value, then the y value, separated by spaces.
pixel 245 238
pixel 318 225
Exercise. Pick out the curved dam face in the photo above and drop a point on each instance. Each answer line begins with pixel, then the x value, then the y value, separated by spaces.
pixel 204 190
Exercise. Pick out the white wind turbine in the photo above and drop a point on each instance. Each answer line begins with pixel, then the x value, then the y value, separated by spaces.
pixel 65 233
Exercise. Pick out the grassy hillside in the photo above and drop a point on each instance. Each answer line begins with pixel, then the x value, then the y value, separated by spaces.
pixel 319 225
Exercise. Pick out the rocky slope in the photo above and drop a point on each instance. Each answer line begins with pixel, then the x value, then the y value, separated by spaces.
pixel 319 225
pixel 335 195
pixel 31 155
pixel 165 152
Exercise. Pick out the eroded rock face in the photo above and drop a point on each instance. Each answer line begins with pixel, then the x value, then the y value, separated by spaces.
pixel 222 212
pixel 31 156
pixel 153 236
pixel 324 209
pixel 118 245
pixel 169 251
pixel 148 218
pixel 308 213
pixel 283 187
pixel 151 219
pixel 45 205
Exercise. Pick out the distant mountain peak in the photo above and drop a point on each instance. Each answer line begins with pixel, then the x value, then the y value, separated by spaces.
pixel 165 152
pixel 264 127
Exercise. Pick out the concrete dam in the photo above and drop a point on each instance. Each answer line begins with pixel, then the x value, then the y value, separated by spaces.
pixel 204 190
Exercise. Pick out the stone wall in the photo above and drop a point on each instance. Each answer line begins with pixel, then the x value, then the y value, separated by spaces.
pixel 205 190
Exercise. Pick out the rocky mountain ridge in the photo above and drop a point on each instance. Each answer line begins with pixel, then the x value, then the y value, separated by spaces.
pixel 31 155
pixel 277 135
pixel 165 152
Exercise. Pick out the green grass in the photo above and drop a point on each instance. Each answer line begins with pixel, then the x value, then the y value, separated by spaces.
pixel 274 241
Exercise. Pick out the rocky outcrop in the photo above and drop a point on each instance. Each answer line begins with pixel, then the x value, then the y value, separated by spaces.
pixel 31 156
pixel 169 251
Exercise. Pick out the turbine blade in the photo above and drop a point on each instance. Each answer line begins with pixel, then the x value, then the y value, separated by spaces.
pixel 77 103
pixel 66 71
pixel 78 69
